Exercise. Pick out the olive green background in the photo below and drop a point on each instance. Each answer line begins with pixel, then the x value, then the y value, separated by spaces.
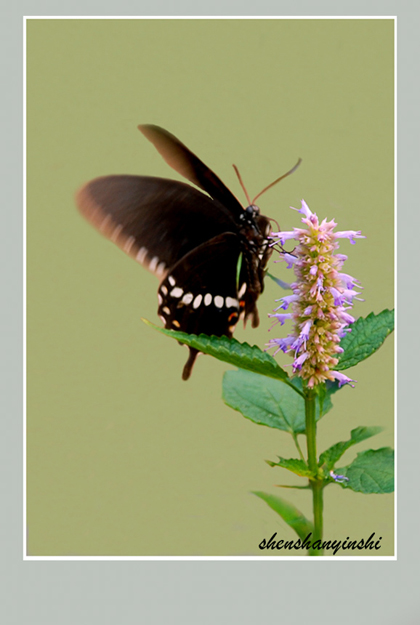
pixel 123 458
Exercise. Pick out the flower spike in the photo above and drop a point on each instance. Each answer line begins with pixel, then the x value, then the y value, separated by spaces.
pixel 322 295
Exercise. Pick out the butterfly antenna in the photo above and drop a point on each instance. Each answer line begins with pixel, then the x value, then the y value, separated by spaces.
pixel 278 180
pixel 242 185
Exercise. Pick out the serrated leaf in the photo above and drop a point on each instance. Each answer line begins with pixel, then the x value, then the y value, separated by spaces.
pixel 266 401
pixel 371 472
pixel 366 336
pixel 331 455
pixel 289 513
pixel 231 351
pixel 295 465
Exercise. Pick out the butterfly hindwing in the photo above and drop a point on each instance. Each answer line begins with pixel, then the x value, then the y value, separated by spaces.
pixel 200 291
pixel 199 294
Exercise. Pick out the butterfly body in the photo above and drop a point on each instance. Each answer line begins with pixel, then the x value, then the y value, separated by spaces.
pixel 208 251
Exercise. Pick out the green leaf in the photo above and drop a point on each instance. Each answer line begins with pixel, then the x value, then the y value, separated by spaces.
pixel 292 464
pixel 284 285
pixel 332 387
pixel 323 396
pixel 307 487
pixel 266 401
pixel 366 336
pixel 230 350
pixel 371 472
pixel 331 455
pixel 289 513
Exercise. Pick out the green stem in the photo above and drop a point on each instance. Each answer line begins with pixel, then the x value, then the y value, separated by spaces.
pixel 311 430
pixel 315 484
pixel 318 505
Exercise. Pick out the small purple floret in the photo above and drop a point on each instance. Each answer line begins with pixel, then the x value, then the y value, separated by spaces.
pixel 338 478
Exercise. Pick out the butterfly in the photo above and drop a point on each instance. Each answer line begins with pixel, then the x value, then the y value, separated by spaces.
pixel 209 252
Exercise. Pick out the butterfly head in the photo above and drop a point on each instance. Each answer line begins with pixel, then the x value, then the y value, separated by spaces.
pixel 252 210
pixel 250 215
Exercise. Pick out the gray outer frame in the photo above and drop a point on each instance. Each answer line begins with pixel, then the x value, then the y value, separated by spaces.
pixel 64 593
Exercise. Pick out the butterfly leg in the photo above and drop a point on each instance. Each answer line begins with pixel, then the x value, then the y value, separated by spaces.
pixel 190 363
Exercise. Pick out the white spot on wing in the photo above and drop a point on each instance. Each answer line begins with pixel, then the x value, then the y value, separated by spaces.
pixel 242 289
pixel 153 263
pixel 219 301
pixel 104 223
pixel 129 244
pixel 232 303
pixel 116 232
pixel 176 292
pixel 171 281
pixel 163 289
pixel 166 310
pixel 188 298
pixel 160 299
pixel 197 301
pixel 207 299
pixel 141 254
pixel 160 269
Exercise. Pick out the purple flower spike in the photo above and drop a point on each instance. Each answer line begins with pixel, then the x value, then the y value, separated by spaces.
pixel 322 295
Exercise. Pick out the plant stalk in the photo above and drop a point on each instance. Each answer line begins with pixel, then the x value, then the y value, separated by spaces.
pixel 315 483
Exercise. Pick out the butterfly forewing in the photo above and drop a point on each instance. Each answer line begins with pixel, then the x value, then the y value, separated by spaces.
pixel 154 220
pixel 180 158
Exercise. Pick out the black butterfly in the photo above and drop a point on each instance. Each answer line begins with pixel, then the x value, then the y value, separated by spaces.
pixel 209 252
